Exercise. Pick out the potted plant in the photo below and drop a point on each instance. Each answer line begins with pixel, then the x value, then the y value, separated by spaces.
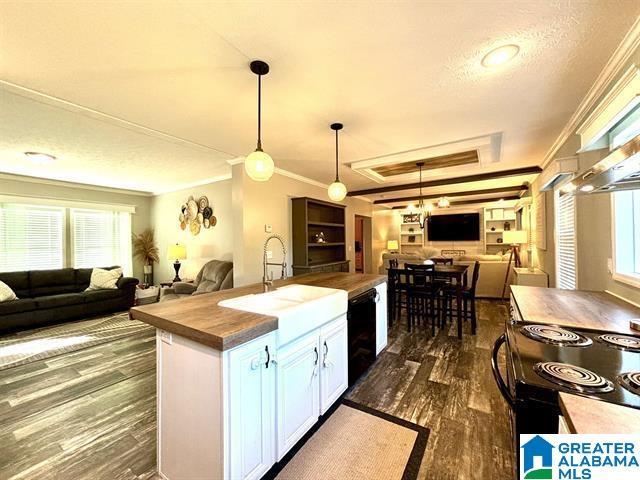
pixel 146 250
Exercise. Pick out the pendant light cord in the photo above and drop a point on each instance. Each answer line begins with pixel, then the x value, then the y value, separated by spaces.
pixel 337 177
pixel 259 112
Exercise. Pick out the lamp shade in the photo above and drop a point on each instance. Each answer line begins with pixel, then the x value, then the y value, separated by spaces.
pixel 392 245
pixel 337 191
pixel 513 237
pixel 259 166
pixel 177 252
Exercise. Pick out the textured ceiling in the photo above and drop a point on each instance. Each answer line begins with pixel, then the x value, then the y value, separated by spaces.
pixel 399 75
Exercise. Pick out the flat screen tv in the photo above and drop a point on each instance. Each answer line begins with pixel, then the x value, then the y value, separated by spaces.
pixel 459 227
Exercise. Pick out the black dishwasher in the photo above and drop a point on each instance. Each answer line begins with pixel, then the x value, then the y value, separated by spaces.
pixel 361 319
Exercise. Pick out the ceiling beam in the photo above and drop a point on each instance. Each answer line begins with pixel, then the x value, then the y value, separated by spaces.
pixel 450 181
pixel 465 202
pixel 486 191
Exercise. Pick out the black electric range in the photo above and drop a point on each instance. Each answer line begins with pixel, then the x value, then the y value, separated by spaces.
pixel 543 360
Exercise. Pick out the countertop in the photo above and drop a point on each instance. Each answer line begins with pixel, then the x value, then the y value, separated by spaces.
pixel 575 308
pixel 199 318
pixel 584 415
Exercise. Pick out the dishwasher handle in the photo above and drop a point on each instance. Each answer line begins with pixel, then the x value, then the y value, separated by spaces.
pixel 502 386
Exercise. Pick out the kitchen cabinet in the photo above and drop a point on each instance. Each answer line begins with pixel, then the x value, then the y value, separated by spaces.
pixel 312 374
pixel 298 390
pixel 252 375
pixel 334 371
pixel 381 317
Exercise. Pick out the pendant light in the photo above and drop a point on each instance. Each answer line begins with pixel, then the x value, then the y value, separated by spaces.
pixel 424 210
pixel 337 190
pixel 259 165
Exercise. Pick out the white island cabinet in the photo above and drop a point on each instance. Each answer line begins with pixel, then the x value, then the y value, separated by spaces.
pixel 381 317
pixel 216 410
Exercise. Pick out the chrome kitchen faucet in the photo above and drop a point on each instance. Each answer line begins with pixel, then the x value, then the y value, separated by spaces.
pixel 267 283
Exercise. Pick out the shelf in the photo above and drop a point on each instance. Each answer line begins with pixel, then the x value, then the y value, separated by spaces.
pixel 496 243
pixel 325 244
pixel 411 233
pixel 495 231
pixel 411 244
pixel 410 223
pixel 326 224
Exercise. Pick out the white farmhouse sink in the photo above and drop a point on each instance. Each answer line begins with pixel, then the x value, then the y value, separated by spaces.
pixel 299 308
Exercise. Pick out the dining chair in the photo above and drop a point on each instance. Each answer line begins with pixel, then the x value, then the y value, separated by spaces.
pixel 422 296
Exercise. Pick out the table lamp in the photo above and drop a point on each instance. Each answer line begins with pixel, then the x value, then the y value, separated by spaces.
pixel 177 252
pixel 392 245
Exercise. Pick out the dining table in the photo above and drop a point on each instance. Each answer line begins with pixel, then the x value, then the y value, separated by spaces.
pixel 452 272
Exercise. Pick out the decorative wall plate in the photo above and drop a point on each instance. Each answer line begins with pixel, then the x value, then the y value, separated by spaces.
pixel 213 220
pixel 206 223
pixel 194 228
pixel 203 202
pixel 183 225
pixel 199 218
pixel 207 212
pixel 192 208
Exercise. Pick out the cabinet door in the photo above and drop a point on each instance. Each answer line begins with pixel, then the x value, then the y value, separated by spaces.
pixel 251 407
pixel 381 317
pixel 334 371
pixel 298 390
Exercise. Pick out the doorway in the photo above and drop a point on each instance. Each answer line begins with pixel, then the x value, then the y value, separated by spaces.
pixel 362 244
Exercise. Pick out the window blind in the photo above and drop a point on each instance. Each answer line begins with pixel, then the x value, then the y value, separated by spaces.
pixel 566 241
pixel 101 239
pixel 31 237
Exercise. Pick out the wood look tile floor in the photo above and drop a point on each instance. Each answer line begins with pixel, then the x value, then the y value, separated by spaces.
pixel 91 414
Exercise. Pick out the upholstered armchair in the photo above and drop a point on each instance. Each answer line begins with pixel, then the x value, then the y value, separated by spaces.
pixel 215 275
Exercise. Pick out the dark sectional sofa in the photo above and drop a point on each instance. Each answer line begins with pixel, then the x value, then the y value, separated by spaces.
pixel 56 296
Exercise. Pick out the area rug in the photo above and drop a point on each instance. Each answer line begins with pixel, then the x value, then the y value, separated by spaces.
pixel 356 442
pixel 42 343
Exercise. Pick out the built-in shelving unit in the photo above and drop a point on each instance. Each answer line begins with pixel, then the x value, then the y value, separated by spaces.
pixel 406 234
pixel 311 218
pixel 496 221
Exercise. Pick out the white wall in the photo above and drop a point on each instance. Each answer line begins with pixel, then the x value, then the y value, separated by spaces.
pixel 213 243
pixel 258 203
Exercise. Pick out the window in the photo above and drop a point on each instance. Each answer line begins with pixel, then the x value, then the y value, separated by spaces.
pixel 31 237
pixel 626 232
pixel 566 254
pixel 101 239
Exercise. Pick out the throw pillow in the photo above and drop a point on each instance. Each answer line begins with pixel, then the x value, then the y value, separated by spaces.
pixel 104 279
pixel 6 293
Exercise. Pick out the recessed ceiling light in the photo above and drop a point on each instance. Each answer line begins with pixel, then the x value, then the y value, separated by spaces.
pixel 586 188
pixel 500 55
pixel 38 157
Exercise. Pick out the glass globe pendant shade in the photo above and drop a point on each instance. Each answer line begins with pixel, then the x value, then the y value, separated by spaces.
pixel 259 166
pixel 337 191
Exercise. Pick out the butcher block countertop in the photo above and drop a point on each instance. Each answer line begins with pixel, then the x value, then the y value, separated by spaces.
pixel 199 318
pixel 575 308
pixel 584 415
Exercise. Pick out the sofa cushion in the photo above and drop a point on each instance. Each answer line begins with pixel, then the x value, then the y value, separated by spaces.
pixel 83 277
pixel 17 306
pixel 60 300
pixel 6 293
pixel 481 258
pixel 17 281
pixel 52 282
pixel 100 295
pixel 104 279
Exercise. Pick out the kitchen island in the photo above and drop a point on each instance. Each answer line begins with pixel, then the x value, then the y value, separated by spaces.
pixel 573 308
pixel 243 375
pixel 588 416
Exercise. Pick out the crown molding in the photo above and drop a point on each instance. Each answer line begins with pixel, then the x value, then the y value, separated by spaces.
pixel 199 183
pixel 295 176
pixel 614 66
pixel 63 183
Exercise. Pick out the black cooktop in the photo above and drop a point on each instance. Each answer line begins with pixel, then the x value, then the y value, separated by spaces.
pixel 534 361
